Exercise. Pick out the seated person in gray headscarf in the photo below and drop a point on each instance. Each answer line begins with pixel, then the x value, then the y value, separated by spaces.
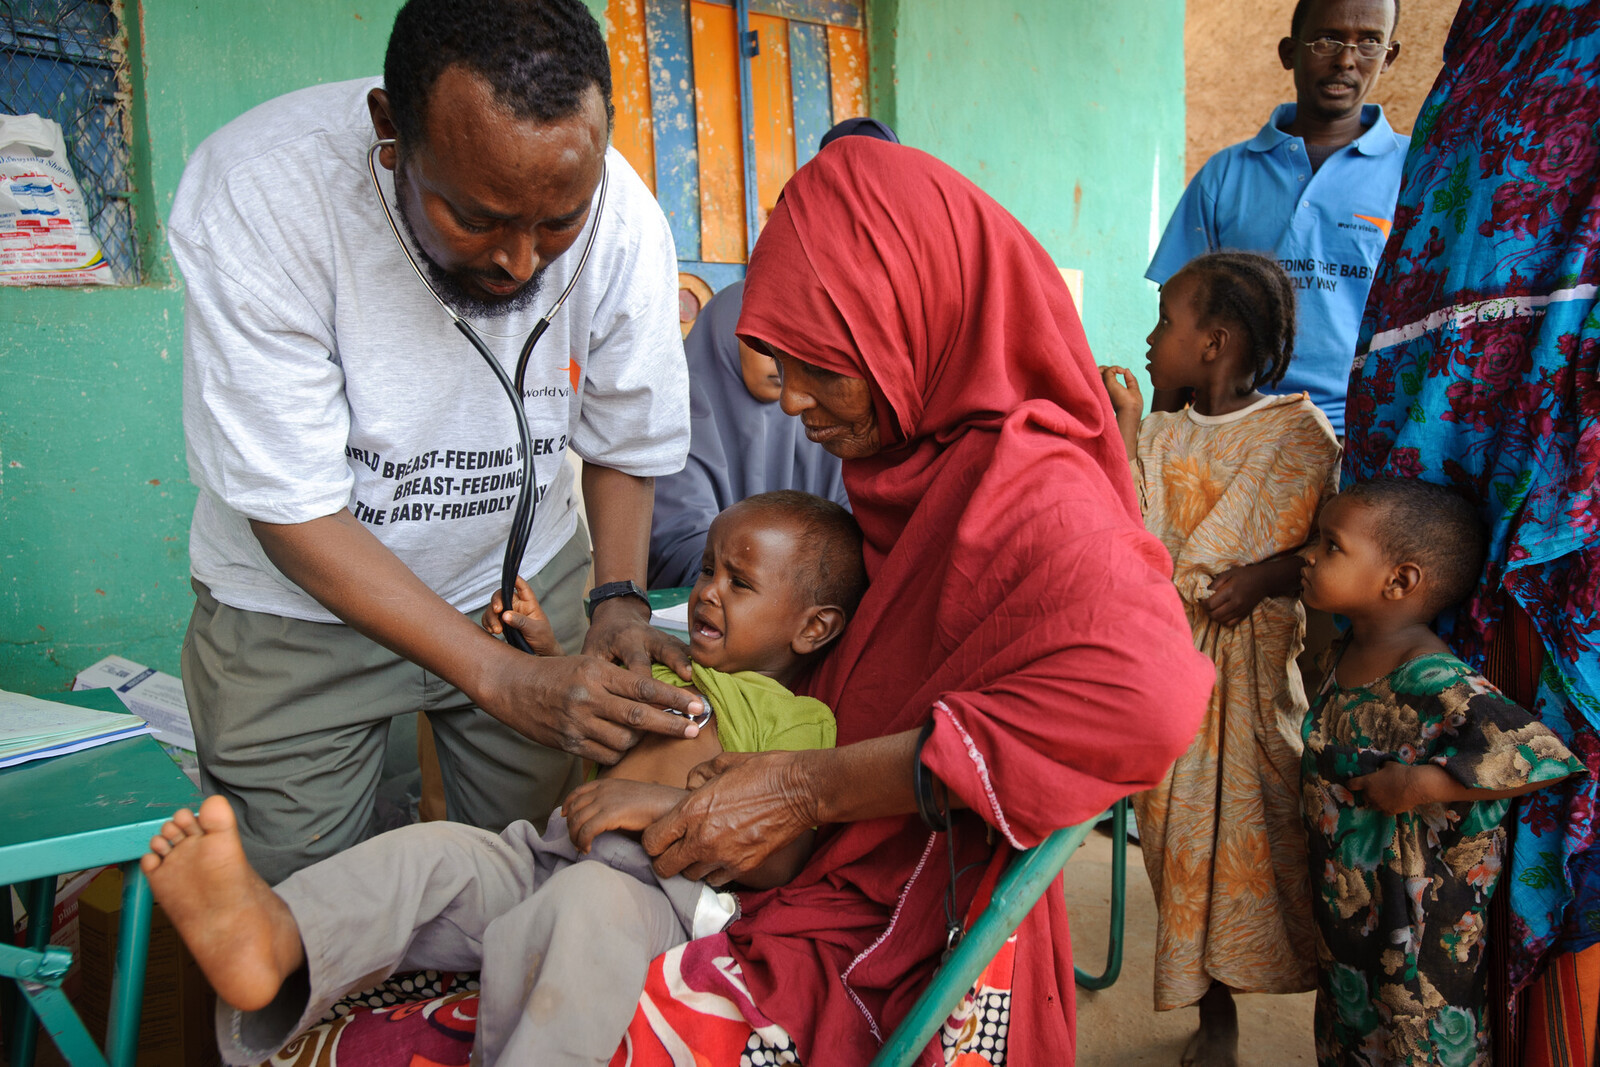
pixel 740 443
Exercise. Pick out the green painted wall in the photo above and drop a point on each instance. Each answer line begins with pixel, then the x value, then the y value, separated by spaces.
pixel 94 492
pixel 1059 108
pixel 95 496
pixel 1070 113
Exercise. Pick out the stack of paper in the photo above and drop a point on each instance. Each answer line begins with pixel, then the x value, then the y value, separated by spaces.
pixel 32 729
pixel 155 697
pixel 674 618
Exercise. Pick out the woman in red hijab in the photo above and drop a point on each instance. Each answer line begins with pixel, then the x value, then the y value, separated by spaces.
pixel 1020 639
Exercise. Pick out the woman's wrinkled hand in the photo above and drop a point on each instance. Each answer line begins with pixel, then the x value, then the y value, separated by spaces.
pixel 713 768
pixel 750 805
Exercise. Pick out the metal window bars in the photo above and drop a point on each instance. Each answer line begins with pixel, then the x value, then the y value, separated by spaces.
pixel 67 60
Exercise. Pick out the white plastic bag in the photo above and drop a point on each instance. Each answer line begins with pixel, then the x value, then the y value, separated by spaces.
pixel 44 227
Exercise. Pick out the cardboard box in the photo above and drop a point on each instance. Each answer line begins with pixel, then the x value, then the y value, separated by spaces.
pixel 155 697
pixel 176 1020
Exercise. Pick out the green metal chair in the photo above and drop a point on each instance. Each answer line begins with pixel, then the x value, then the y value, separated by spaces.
pixel 1024 882
pixel 1119 903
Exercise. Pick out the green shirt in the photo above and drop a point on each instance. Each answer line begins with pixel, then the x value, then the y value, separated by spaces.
pixel 754 713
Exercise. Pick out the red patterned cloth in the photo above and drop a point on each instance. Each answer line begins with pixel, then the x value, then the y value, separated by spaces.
pixel 696 1010
pixel 1563 1021
pixel 429 1019
pixel 421 1020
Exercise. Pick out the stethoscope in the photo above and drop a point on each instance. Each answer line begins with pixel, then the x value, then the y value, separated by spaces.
pixel 522 517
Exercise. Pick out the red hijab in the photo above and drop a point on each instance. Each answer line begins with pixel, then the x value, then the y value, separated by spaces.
pixel 1015 596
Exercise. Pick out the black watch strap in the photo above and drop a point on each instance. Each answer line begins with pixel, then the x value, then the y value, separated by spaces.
pixel 609 590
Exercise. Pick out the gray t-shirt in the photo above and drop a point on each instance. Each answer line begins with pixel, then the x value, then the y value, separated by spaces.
pixel 319 374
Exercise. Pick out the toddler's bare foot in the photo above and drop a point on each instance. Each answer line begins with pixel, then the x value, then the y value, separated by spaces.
pixel 242 935
pixel 1216 1043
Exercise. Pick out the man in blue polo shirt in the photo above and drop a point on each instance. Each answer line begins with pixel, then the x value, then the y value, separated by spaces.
pixel 1315 189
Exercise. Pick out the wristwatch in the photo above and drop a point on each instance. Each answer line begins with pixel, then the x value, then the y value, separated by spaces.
pixel 609 590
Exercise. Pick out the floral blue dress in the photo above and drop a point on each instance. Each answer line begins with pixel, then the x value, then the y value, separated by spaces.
pixel 1402 901
pixel 1477 368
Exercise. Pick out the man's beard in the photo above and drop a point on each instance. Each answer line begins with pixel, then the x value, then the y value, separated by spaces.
pixel 448 286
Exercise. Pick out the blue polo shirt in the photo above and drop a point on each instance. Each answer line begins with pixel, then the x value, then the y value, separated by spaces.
pixel 1327 230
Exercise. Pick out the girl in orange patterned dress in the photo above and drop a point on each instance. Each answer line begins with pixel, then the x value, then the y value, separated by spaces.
pixel 1231 485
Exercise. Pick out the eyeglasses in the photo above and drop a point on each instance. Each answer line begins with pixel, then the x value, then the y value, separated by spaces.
pixel 1366 49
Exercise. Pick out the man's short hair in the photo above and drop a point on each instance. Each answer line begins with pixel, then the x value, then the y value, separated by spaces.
pixel 1429 525
pixel 539 56
pixel 1298 19
pixel 830 570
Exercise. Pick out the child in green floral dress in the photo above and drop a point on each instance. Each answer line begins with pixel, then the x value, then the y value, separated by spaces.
pixel 1411 761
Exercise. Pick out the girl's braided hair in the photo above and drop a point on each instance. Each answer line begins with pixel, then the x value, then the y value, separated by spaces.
pixel 1251 291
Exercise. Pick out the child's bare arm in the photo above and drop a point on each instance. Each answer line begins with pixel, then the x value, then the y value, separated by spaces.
pixel 1395 788
pixel 1127 402
pixel 1236 591
pixel 667 760
pixel 615 804
pixel 526 616
pixel 781 867
pixel 619 804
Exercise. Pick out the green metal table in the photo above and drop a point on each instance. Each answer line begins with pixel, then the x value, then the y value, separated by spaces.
pixel 69 813
pixel 671 597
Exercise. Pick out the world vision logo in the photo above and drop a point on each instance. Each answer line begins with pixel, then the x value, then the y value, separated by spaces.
pixel 573 370
pixel 1381 224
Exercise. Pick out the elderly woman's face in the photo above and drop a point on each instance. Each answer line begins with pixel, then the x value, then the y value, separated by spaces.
pixel 836 409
